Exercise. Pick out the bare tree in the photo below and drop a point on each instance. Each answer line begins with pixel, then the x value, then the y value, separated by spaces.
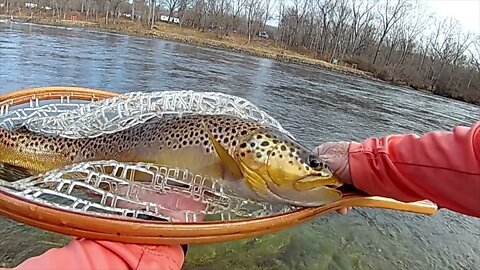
pixel 153 4
pixel 171 5
pixel 390 13
pixel 254 13
pixel 361 18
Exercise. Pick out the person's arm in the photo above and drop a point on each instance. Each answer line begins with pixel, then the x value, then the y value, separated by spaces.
pixel 84 254
pixel 443 167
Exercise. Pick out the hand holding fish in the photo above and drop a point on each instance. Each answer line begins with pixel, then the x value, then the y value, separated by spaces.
pixel 440 166
pixel 335 154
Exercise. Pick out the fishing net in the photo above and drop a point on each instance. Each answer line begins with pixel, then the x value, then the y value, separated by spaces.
pixel 108 188
pixel 74 118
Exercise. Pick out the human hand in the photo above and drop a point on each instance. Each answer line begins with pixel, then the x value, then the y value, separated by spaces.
pixel 335 154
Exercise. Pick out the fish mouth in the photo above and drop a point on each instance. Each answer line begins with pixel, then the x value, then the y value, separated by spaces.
pixel 317 180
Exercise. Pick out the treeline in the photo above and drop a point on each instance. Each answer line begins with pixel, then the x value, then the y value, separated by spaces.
pixel 397 40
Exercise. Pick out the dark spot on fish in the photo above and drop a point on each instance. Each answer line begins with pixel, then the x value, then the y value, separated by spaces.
pixel 259 137
pixel 252 144
pixel 258 155
pixel 269 152
pixel 225 140
pixel 264 143
pixel 280 156
pixel 290 162
pixel 244 132
pixel 242 154
pixel 208 150
pixel 275 141
pixel 268 136
pixel 292 150
pixel 283 148
pixel 273 154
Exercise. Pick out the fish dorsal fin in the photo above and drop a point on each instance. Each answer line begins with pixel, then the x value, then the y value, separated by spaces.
pixel 225 157
pixel 22 129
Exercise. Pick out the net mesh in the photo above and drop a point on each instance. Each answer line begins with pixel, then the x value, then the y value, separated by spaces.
pixel 111 187
pixel 75 119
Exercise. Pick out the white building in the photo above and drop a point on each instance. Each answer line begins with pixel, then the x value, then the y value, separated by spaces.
pixel 165 18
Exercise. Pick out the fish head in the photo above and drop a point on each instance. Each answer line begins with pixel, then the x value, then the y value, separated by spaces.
pixel 276 166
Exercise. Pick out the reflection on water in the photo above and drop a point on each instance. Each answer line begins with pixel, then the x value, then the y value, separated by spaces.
pixel 316 106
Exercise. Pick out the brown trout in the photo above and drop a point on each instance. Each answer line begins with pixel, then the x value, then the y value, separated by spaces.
pixel 257 160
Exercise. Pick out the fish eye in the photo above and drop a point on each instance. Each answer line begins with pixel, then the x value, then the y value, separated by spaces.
pixel 314 162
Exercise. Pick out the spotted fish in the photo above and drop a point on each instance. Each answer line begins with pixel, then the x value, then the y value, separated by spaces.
pixel 259 161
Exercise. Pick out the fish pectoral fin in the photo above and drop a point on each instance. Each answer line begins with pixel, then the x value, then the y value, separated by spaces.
pixel 12 173
pixel 227 160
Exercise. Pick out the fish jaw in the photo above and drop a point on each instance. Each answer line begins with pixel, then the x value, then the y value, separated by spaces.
pixel 318 180
pixel 266 189
pixel 308 198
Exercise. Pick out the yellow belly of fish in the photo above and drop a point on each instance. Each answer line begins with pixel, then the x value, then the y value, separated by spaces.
pixel 194 159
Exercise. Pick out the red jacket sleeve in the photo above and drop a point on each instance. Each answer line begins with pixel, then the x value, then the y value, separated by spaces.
pixel 84 254
pixel 443 167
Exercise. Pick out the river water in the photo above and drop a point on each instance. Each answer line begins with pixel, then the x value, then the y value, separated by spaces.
pixel 315 105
